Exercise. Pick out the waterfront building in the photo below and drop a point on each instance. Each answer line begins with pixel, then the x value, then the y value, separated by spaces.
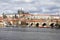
pixel 23 18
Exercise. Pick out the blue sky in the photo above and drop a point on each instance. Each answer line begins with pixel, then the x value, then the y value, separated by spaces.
pixel 33 6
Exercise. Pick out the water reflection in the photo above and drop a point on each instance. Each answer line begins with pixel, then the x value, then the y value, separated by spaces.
pixel 30 29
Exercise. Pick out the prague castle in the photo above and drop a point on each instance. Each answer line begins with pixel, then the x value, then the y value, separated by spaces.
pixel 26 18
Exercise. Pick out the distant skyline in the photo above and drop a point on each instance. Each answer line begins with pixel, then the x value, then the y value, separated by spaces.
pixel 32 6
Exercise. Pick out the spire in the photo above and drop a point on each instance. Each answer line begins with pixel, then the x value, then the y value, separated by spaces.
pixel 20 11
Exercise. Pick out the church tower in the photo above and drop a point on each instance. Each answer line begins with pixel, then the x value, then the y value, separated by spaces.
pixel 20 11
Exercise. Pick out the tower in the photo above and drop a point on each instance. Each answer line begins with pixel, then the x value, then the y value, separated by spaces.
pixel 20 11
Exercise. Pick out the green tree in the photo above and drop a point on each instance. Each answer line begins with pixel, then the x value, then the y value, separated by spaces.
pixel 4 16
pixel 16 16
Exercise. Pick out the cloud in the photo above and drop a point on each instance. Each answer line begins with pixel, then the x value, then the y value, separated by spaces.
pixel 22 0
pixel 36 6
pixel 8 11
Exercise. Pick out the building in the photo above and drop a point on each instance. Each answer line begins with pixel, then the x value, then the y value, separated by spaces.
pixel 21 18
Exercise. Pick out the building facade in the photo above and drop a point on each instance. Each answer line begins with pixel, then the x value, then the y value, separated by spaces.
pixel 23 18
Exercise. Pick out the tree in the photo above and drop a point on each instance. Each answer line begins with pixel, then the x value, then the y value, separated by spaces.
pixel 4 16
pixel 16 16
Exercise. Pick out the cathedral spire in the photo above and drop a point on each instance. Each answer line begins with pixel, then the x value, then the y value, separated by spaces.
pixel 20 11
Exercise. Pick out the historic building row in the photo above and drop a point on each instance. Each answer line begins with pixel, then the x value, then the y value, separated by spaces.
pixel 23 18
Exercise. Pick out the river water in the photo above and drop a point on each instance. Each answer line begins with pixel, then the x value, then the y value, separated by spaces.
pixel 10 33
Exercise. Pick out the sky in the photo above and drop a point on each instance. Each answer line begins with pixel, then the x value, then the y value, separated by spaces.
pixel 32 6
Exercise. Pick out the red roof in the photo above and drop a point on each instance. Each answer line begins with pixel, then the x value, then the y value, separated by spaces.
pixel 36 20
pixel 1 18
